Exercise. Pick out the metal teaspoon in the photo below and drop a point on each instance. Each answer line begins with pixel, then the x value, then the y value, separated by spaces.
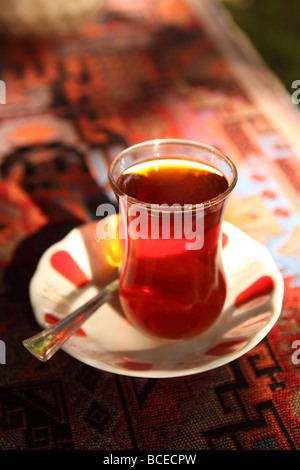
pixel 45 344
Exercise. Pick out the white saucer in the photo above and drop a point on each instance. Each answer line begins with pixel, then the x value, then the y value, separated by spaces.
pixel 107 341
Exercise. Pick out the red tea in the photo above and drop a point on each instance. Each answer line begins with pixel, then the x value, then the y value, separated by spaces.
pixel 166 289
pixel 172 180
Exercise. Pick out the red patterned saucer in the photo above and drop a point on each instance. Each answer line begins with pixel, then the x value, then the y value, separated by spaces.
pixel 72 270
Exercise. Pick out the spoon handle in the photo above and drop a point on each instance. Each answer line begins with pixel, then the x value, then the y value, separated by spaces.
pixel 46 343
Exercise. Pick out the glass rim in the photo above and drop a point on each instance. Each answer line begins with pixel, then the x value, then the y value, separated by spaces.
pixel 210 203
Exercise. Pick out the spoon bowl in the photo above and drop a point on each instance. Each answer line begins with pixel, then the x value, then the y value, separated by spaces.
pixel 45 344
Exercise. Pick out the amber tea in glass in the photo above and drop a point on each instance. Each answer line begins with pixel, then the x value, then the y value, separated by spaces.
pixel 172 195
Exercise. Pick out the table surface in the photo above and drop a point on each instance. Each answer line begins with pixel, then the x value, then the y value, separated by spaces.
pixel 156 69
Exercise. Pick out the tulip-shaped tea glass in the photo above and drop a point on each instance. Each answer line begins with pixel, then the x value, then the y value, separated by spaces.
pixel 171 195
